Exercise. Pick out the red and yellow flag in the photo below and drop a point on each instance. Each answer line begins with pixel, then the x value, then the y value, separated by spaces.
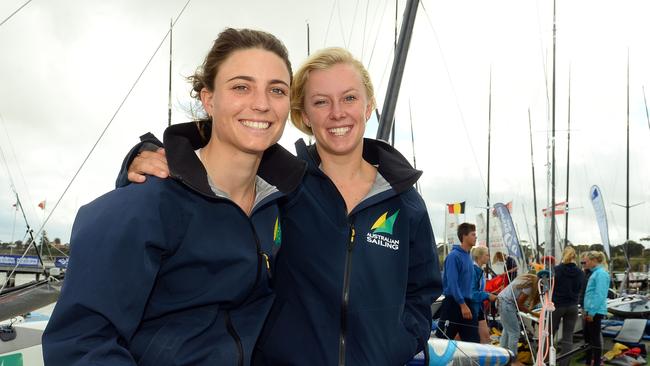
pixel 456 208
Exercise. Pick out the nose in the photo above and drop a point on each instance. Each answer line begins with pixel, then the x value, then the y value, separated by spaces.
pixel 337 112
pixel 260 101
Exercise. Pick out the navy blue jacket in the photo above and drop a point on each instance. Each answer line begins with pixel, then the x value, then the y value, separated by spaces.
pixel 353 289
pixel 167 272
pixel 568 283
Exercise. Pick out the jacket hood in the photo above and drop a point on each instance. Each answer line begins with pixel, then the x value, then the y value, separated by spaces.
pixel 278 167
pixel 390 163
pixel 569 270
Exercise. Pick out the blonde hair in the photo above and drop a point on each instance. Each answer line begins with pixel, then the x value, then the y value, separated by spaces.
pixel 599 257
pixel 478 252
pixel 530 281
pixel 323 60
pixel 568 255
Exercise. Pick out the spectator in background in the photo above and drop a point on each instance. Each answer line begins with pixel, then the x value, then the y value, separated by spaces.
pixel 455 314
pixel 595 304
pixel 480 256
pixel 568 282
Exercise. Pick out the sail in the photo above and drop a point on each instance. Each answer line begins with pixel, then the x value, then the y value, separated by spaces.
pixel 601 217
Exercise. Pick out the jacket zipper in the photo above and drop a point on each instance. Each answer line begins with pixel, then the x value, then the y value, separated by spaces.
pixel 235 337
pixel 346 296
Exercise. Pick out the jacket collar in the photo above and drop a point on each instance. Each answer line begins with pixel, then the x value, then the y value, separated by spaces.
pixel 390 163
pixel 278 166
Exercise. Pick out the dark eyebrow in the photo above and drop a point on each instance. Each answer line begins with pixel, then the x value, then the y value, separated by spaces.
pixel 251 79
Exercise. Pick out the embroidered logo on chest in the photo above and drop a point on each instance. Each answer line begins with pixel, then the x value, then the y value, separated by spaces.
pixel 383 225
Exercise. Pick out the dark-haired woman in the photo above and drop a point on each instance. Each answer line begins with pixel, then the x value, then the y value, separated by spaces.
pixel 176 271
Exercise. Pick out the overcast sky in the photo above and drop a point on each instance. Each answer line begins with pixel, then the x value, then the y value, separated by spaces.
pixel 65 66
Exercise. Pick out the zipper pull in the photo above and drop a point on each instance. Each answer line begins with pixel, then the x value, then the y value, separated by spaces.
pixel 352 233
pixel 268 264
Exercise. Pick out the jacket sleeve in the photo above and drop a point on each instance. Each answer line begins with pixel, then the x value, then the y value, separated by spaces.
pixel 478 295
pixel 453 266
pixel 600 291
pixel 424 283
pixel 148 142
pixel 115 257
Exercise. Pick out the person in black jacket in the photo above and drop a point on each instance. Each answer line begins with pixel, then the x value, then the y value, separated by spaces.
pixel 357 272
pixel 568 282
pixel 174 272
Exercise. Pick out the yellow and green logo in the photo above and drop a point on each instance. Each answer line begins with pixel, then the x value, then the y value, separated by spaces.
pixel 384 224
pixel 277 232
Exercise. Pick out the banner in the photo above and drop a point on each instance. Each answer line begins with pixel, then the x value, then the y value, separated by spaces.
pixel 480 230
pixel 451 230
pixel 7 260
pixel 601 217
pixel 509 233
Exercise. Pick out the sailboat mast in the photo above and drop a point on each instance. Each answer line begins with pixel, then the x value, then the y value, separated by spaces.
pixel 627 172
pixel 308 39
pixel 552 209
pixel 487 210
pixel 532 166
pixel 169 96
pixel 568 145
pixel 397 71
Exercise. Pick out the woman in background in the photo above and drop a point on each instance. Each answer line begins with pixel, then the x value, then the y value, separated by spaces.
pixel 595 304
pixel 522 294
pixel 566 291
pixel 479 295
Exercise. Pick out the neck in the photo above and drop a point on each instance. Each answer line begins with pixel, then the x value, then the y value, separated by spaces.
pixel 466 246
pixel 232 171
pixel 342 167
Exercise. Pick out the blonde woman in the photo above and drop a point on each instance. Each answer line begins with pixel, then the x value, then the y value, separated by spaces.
pixel 514 298
pixel 566 293
pixel 481 258
pixel 595 304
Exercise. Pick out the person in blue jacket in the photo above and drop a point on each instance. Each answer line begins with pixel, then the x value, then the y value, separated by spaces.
pixel 595 304
pixel 175 271
pixel 481 257
pixel 566 291
pixel 357 271
pixel 456 316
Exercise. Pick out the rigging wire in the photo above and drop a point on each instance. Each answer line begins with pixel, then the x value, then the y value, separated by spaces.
pixel 14 13
pixel 329 23
pixel 341 28
pixel 365 23
pixel 453 91
pixel 381 19
pixel 20 171
pixel 356 8
pixel 112 119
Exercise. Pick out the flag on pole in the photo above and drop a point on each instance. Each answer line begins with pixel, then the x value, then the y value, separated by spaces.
pixel 560 209
pixel 41 205
pixel 456 208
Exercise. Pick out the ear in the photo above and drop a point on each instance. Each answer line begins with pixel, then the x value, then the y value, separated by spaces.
pixel 305 120
pixel 369 110
pixel 206 100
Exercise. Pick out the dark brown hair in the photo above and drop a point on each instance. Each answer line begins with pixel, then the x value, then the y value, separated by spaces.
pixel 464 229
pixel 229 41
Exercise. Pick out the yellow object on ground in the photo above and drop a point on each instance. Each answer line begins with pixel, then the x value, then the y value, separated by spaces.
pixel 616 350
